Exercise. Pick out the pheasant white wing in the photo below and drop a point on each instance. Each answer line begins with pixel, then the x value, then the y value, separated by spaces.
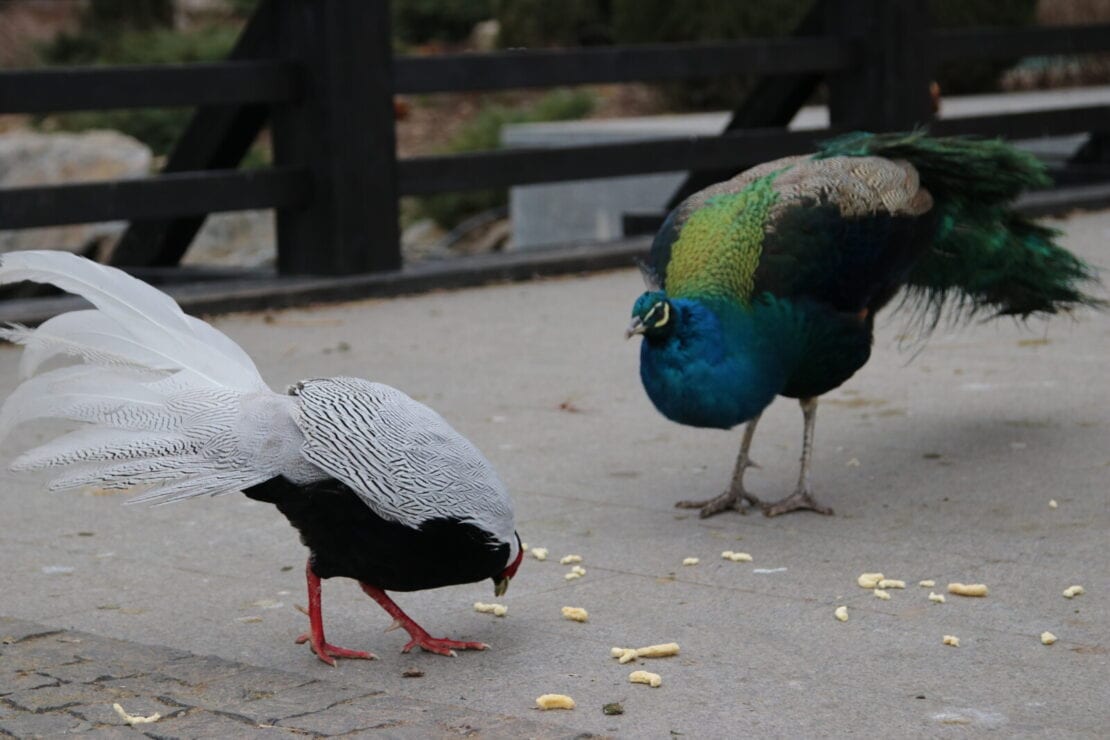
pixel 401 457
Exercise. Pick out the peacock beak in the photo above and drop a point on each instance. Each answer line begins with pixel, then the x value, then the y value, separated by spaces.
pixel 500 586
pixel 636 327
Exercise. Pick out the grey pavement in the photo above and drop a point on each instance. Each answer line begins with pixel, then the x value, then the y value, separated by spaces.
pixel 940 459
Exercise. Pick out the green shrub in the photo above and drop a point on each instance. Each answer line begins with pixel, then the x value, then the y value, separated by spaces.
pixel 158 128
pixel 977 75
pixel 484 133
pixel 540 23
pixel 421 21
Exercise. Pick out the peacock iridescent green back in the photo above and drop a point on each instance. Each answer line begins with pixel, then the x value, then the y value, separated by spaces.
pixel 866 216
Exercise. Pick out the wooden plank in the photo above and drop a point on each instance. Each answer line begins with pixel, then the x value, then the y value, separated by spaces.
pixel 342 133
pixel 1064 200
pixel 773 102
pixel 549 68
pixel 268 292
pixel 501 168
pixel 217 137
pixel 998 43
pixel 889 90
pixel 1029 124
pixel 160 196
pixel 168 85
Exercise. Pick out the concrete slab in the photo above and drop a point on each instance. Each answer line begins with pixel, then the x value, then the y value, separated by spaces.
pixel 940 465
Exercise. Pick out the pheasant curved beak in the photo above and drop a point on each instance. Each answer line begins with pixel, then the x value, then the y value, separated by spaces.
pixel 636 327
pixel 500 586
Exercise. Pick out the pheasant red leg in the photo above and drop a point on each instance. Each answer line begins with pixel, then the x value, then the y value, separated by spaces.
pixel 315 635
pixel 420 638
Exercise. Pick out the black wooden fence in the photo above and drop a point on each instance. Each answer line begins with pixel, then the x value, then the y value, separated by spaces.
pixel 322 75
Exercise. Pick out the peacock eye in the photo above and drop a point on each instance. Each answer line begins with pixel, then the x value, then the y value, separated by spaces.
pixel 659 315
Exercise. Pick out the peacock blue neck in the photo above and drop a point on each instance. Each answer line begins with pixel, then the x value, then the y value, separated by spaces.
pixel 718 367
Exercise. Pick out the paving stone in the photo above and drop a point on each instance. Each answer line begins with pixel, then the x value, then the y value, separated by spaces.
pixel 43 725
pixel 102 713
pixel 200 723
pixel 246 685
pixel 313 697
pixel 199 669
pixel 13 681
pixel 87 671
pixel 16 630
pixel 49 698
pixel 364 713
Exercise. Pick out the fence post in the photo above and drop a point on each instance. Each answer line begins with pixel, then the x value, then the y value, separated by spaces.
pixel 342 130
pixel 889 91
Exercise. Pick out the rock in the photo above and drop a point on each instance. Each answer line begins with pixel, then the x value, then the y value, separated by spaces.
pixel 236 239
pixel 29 158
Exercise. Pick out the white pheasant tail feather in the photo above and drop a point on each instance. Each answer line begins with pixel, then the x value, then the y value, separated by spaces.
pixel 170 402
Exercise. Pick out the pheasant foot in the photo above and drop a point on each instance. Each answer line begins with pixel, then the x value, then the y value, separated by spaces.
pixel 420 637
pixel 327 652
pixel 799 500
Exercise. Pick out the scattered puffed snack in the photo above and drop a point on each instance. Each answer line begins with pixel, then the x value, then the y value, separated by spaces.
pixel 524 546
pixel 891 583
pixel 880 594
pixel 575 614
pixel 736 557
pixel 841 613
pixel 654 680
pixel 497 610
pixel 869 580
pixel 627 655
pixel 951 640
pixel 1072 591
pixel 927 584
pixel 968 589
pixel 939 598
pixel 1052 503
pixel 690 561
pixel 571 576
pixel 579 570
pixel 554 701
pixel 539 553
pixel 568 559
pixel 1047 638
pixel 133 719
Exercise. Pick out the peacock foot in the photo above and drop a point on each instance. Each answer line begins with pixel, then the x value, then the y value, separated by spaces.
pixel 728 500
pixel 800 499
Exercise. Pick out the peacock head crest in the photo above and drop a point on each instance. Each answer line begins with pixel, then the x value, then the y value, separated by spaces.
pixel 652 315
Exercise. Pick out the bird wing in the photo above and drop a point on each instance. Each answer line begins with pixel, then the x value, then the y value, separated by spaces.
pixel 401 457
pixel 794 226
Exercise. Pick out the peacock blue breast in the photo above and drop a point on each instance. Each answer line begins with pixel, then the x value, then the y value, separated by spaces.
pixel 710 372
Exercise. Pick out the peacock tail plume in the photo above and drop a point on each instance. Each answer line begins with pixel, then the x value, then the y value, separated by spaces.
pixel 985 257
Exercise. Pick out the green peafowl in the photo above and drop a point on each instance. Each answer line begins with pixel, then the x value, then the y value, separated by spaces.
pixel 768 284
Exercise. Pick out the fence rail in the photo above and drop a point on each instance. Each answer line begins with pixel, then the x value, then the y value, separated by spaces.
pixel 322 75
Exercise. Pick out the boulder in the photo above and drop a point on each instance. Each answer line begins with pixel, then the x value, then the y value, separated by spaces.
pixel 29 158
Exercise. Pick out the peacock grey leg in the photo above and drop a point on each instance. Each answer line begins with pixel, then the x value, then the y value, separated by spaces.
pixel 731 498
pixel 802 498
